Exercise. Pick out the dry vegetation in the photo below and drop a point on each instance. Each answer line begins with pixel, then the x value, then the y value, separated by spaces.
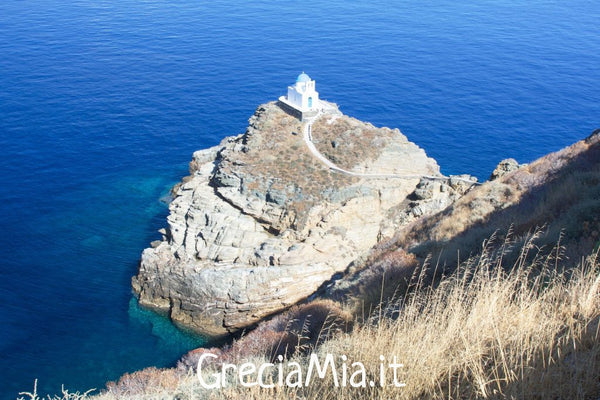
pixel 560 190
pixel 273 163
pixel 348 142
pixel 518 318
pixel 487 331
pixel 279 151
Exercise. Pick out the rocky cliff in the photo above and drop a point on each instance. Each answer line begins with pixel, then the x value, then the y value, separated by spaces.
pixel 552 204
pixel 261 223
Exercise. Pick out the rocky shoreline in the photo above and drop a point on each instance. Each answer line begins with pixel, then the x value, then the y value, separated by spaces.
pixel 260 224
pixel 526 221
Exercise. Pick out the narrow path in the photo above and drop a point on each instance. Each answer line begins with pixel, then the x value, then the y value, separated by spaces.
pixel 307 133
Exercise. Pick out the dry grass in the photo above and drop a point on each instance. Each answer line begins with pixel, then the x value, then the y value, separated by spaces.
pixel 144 381
pixel 273 146
pixel 560 190
pixel 294 331
pixel 482 333
pixel 487 331
pixel 348 142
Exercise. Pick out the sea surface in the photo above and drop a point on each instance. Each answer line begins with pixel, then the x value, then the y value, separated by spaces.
pixel 103 102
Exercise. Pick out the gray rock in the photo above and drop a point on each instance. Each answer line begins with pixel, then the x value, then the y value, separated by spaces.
pixel 276 196
pixel 504 167
pixel 424 190
pixel 461 183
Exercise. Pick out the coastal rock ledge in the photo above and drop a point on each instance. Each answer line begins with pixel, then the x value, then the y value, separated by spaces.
pixel 261 223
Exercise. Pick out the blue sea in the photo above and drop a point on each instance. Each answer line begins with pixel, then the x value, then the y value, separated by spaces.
pixel 103 102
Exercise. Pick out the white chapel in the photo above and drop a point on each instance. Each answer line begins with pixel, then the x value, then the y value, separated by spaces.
pixel 302 96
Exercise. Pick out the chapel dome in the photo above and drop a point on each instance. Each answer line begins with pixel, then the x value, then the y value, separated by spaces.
pixel 303 78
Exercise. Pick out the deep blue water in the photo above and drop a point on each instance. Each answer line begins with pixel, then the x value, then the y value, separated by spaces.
pixel 103 102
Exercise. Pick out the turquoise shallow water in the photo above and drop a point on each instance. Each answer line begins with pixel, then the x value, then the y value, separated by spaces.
pixel 103 102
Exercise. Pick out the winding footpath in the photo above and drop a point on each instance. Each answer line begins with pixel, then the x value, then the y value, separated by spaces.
pixel 307 133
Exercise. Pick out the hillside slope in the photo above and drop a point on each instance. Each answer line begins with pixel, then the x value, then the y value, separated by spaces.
pixel 559 194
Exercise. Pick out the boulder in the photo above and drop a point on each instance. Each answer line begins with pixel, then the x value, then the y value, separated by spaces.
pixel 504 167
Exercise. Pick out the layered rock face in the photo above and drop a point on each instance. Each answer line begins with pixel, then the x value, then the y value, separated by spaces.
pixel 261 224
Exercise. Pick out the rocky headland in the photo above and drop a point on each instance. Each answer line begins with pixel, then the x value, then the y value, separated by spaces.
pixel 261 224
pixel 410 266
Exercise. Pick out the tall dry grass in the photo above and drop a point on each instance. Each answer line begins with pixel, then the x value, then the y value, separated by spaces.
pixel 487 331
pixel 528 332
